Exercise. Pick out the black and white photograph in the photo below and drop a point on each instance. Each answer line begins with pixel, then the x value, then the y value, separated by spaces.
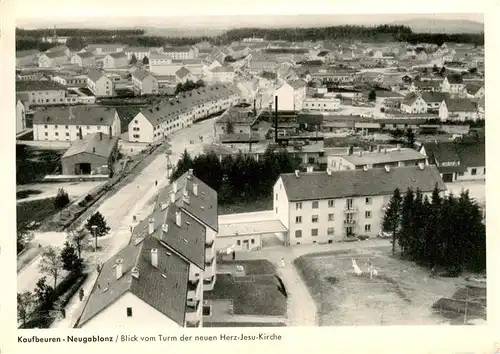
pixel 250 171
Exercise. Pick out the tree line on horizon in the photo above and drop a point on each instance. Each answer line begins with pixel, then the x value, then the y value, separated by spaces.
pixel 79 38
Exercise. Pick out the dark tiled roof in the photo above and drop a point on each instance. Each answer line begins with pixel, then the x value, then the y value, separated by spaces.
pixel 238 116
pixel 442 151
pixel 410 99
pixel 353 183
pixel 182 72
pixel 80 115
pixel 25 53
pixel 84 55
pixel 430 97
pixel 454 79
pixel 296 84
pixel 118 55
pixel 460 105
pixel 388 156
pixel 141 74
pixel 472 154
pixel 97 144
pixel 45 85
pixel 94 74
pixel 58 54
pixel 163 288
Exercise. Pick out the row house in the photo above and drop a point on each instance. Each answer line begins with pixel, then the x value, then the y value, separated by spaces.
pixel 161 276
pixel 221 74
pixel 99 84
pixel 325 207
pixel 456 160
pixel 184 75
pixel 138 52
pixel 71 81
pixel 291 95
pixel 151 125
pixel 103 49
pixel 321 104
pixel 181 53
pixel 425 86
pixel 164 65
pixel 67 123
pixel 27 58
pixel 115 60
pixel 84 59
pixel 434 99
pixel 238 51
pixel 454 85
pixel 195 66
pixel 413 103
pixel 144 82
pixel 242 119
pixel 42 92
pixel 379 158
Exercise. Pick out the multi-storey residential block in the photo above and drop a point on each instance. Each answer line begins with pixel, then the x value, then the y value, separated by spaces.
pixel 222 74
pixel 115 60
pixel 99 84
pixel 144 82
pixel 153 124
pixel 138 52
pixel 68 123
pixel 458 110
pixel 84 59
pixel 322 104
pixel 181 53
pixel 163 273
pixel 52 59
pixel 103 49
pixel 27 57
pixel 324 207
pixel 71 81
pixel 291 95
pixel 42 92
pixel 20 116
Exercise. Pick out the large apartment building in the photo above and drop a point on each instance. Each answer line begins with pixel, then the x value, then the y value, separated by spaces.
pixel 291 95
pixel 324 207
pixel 99 84
pixel 153 124
pixel 66 123
pixel 162 274
pixel 180 53
pixel 42 92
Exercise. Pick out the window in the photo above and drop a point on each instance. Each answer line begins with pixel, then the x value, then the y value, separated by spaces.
pixel 66 127
pixel 45 126
pixel 298 219
pixel 276 210
pixel 315 205
pixel 314 218
pixel 67 134
pixel 331 203
pixel 314 232
pixel 473 171
pixel 460 173
pixel 129 311
pixel 46 134
pixel 55 126
pixel 252 241
pixel 330 231
pixel 331 217
pixel 368 201
pixel 238 242
pixel 276 196
pixel 368 214
pixel 57 134
pixel 298 206
pixel 349 204
pixel 484 171
pixel 368 228
pixel 298 233
pixel 88 126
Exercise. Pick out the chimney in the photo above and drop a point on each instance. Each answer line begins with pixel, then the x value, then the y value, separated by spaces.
pixel 371 148
pixel 93 149
pixel 119 268
pixel 172 197
pixel 387 168
pixel 310 169
pixel 164 228
pixel 178 218
pixel 154 257
pixel 328 171
pixel 135 272
pixel 297 173
pixel 195 189
pixel 360 153
pixel 421 165
pixel 276 119
pixel 110 132
pixel 80 133
pixel 255 107
pixel 398 147
pixel 100 135
pixel 350 150
pixel 71 116
pixel 385 150
pixel 151 225
pixel 190 172
pixel 174 187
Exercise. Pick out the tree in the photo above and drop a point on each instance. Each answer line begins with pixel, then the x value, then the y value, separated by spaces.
pixel 145 60
pixel 229 59
pixel 435 69
pixel 183 165
pixel 133 59
pixel 473 70
pixel 410 138
pixel 75 43
pixel 372 95
pixel 62 199
pixel 433 243
pixel 69 258
pixel 407 215
pixel 23 239
pixel 26 303
pixel 44 293
pixel 229 127
pixel 51 263
pixel 98 220
pixel 442 71
pixel 424 71
pixel 78 238
pixel 200 83
pixel 391 218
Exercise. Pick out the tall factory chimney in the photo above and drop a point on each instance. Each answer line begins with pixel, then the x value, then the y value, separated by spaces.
pixel 276 119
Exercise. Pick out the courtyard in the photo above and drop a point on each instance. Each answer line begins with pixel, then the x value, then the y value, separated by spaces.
pixel 401 294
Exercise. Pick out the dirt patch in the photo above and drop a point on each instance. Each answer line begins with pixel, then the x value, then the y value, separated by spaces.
pixel 332 280
pixel 27 193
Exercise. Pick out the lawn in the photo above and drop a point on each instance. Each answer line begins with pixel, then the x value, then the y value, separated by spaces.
pixel 257 296
pixel 253 267
pixel 34 164
pixel 401 294
pixel 246 207
pixel 27 193
pixel 35 210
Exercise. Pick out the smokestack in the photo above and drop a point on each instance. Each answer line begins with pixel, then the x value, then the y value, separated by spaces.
pixel 80 133
pixel 151 228
pixel 276 119
pixel 195 189
pixel 178 218
pixel 100 135
pixel 119 268
pixel 154 257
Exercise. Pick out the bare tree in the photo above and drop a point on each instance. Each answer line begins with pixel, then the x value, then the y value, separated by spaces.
pixel 51 263
pixel 78 238
pixel 25 305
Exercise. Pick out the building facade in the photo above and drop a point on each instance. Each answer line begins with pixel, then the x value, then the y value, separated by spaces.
pixel 99 84
pixel 291 96
pixel 42 92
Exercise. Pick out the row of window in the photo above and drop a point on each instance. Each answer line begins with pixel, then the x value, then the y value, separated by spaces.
pixel 77 127
pixel 329 231
pixel 331 203
pixel 331 217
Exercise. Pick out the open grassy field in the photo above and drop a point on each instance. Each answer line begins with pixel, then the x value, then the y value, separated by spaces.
pixel 34 164
pixel 35 210
pixel 401 294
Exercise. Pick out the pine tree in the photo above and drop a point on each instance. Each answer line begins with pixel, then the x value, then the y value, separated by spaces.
pixel 69 258
pixel 133 59
pixel 183 165
pixel 98 220
pixel 229 127
pixel 417 247
pixel 43 293
pixel 372 95
pixel 51 263
pixel 145 60
pixel 391 220
pixel 25 305
pixel 433 229
pixel 407 213
pixel 62 199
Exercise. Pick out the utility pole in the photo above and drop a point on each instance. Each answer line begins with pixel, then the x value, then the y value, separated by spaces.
pixel 466 304
pixel 94 231
pixel 168 153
